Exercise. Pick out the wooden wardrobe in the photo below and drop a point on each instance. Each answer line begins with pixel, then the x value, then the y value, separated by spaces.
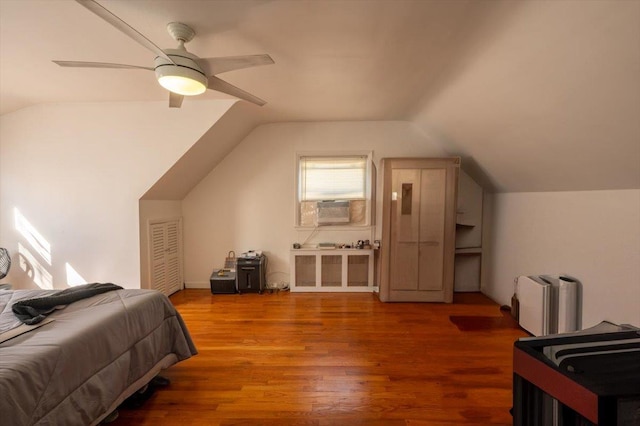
pixel 418 229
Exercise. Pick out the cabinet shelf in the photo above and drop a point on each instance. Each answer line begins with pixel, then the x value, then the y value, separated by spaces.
pixel 463 221
pixel 464 225
pixel 469 250
pixel 468 253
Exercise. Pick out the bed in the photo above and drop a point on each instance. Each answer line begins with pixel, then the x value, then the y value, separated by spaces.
pixel 81 362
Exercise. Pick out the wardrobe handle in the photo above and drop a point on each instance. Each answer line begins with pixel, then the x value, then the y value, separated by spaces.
pixel 407 195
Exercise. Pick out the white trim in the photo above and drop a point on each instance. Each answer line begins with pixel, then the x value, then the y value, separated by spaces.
pixel 334 290
pixel 335 228
pixel 164 219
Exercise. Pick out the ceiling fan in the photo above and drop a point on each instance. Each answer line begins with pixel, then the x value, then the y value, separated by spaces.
pixel 180 72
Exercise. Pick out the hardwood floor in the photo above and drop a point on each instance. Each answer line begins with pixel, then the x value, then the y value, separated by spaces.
pixel 336 359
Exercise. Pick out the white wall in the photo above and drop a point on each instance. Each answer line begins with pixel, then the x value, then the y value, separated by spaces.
pixel 248 200
pixel 592 235
pixel 75 172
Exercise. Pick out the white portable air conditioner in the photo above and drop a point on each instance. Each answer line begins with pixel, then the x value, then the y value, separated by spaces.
pixel 534 298
pixel 547 305
pixel 333 212
pixel 564 301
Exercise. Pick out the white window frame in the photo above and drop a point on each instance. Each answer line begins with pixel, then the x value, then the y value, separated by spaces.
pixel 368 186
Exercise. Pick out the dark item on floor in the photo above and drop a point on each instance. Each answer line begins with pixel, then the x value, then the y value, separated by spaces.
pixel 482 323
pixel 112 417
pixel 143 394
pixel 223 281
pixel 515 307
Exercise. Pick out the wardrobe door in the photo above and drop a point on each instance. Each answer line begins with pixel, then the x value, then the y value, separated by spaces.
pixel 431 235
pixel 405 218
pixel 418 229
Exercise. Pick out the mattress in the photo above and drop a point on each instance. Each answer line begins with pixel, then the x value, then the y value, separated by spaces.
pixel 88 357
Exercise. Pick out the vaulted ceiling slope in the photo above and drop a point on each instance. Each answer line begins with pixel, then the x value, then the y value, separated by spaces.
pixel 206 153
pixel 548 100
pixel 535 95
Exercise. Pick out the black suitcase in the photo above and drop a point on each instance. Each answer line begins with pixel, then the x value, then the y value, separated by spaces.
pixel 223 281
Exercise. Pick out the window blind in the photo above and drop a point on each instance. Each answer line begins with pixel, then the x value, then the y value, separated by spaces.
pixel 332 178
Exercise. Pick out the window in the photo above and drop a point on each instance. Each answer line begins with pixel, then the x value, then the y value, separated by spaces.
pixel 332 178
pixel 344 179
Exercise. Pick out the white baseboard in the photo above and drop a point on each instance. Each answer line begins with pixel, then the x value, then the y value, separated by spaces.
pixel 207 285
pixel 197 284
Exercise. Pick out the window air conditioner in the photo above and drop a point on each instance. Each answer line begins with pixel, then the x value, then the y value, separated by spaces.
pixel 333 212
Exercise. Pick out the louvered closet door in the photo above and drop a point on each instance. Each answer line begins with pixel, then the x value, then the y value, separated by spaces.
pixel 159 264
pixel 172 253
pixel 166 265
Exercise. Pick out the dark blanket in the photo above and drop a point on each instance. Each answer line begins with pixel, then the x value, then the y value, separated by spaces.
pixel 32 311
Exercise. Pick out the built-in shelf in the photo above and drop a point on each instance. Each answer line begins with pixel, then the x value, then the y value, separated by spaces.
pixel 469 250
pixel 464 225
pixel 464 221
pixel 468 259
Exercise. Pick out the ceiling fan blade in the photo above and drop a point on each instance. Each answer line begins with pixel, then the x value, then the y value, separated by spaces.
pixel 222 86
pixel 80 64
pixel 213 66
pixel 123 26
pixel 175 100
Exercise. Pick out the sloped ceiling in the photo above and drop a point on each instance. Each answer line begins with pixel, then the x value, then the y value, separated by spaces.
pixel 206 153
pixel 522 90
pixel 550 101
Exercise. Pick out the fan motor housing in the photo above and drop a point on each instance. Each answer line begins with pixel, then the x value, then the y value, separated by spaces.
pixel 185 66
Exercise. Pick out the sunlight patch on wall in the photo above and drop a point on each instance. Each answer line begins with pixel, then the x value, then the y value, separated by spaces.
pixel 73 277
pixel 33 237
pixel 34 269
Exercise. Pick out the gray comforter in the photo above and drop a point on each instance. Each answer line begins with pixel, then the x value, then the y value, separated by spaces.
pixel 92 354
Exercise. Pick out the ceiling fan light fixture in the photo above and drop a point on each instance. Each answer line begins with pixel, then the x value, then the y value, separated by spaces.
pixel 181 80
pixel 177 70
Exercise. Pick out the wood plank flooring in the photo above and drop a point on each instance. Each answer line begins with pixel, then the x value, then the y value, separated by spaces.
pixel 336 359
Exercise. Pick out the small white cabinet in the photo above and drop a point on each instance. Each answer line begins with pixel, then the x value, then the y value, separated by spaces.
pixel 333 270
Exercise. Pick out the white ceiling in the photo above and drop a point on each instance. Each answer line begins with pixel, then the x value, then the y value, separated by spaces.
pixel 519 89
